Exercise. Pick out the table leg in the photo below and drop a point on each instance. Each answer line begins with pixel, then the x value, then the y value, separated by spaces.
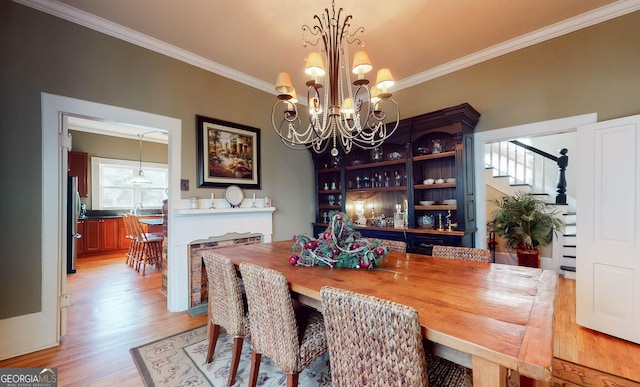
pixel 487 373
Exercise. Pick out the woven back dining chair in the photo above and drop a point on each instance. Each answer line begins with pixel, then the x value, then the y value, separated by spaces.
pixel 292 338
pixel 391 245
pixel 226 309
pixel 375 342
pixel 464 253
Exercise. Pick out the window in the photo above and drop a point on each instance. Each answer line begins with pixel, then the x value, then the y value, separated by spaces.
pixel 111 187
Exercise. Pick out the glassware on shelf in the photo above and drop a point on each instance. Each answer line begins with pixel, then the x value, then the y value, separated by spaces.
pixel 437 147
pixel 332 200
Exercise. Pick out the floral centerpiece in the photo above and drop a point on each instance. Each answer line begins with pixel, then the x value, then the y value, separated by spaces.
pixel 339 245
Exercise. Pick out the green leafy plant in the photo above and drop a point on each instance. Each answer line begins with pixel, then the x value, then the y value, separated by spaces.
pixel 525 221
pixel 339 245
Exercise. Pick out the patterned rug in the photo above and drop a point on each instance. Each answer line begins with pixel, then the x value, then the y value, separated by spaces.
pixel 179 360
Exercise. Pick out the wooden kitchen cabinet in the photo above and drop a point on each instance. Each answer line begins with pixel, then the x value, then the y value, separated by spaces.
pixel 79 166
pixel 101 235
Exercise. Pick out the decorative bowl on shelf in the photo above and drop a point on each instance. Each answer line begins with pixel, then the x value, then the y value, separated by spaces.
pixel 426 221
pixel 423 150
pixel 439 181
pixel 428 181
pixel 426 202
pixel 450 180
pixel 394 156
pixel 449 202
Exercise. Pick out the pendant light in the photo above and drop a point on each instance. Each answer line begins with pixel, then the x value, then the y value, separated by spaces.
pixel 141 178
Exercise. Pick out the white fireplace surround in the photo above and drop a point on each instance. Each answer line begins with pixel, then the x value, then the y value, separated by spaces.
pixel 189 225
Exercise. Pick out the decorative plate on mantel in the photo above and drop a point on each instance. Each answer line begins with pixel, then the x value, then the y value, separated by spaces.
pixel 234 195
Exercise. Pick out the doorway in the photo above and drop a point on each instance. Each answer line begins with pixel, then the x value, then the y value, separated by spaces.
pixel 54 133
pixel 480 139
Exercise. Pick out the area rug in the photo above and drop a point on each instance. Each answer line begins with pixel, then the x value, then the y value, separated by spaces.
pixel 179 360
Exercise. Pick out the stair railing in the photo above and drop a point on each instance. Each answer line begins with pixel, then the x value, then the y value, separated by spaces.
pixel 526 164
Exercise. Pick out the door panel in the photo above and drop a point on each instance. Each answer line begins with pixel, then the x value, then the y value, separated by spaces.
pixel 608 265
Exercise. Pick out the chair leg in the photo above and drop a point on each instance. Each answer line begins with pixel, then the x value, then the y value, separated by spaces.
pixel 255 368
pixel 214 332
pixel 235 359
pixel 292 379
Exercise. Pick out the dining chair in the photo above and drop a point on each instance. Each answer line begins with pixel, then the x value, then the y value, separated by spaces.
pixel 131 253
pixel 149 249
pixel 292 337
pixel 391 245
pixel 226 309
pixel 375 342
pixel 463 253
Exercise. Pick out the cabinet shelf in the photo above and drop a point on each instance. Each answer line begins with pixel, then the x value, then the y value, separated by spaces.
pixel 329 191
pixel 378 189
pixel 330 207
pixel 376 164
pixel 435 156
pixel 329 170
pixel 402 230
pixel 434 186
pixel 436 207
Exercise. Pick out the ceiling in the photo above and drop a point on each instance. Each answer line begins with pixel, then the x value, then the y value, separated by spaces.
pixel 251 41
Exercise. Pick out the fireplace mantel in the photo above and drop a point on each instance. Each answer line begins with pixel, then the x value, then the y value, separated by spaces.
pixel 189 225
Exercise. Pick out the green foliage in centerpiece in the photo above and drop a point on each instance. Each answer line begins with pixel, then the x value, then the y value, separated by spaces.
pixel 339 245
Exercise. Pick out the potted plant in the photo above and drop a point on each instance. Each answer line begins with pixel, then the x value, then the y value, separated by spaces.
pixel 526 223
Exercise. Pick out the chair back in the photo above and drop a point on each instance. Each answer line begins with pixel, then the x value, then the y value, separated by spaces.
pixel 391 245
pixel 274 331
pixel 226 307
pixel 371 341
pixel 463 253
pixel 127 227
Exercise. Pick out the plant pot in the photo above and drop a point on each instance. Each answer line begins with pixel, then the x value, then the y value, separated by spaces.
pixel 529 258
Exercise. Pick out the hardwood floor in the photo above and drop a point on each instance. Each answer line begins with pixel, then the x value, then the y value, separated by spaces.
pixel 584 357
pixel 114 308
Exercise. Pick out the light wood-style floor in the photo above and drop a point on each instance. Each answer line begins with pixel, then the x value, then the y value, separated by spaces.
pixel 114 309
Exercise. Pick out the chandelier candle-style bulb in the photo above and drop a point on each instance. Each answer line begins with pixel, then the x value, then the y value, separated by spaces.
pixel 315 66
pixel 384 81
pixel 361 65
pixel 347 108
pixel 283 84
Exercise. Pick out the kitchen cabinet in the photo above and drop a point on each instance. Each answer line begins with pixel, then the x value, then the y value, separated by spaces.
pixel 78 166
pixel 101 235
pixel 436 145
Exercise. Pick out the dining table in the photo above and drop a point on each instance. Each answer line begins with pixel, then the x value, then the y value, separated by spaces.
pixel 486 316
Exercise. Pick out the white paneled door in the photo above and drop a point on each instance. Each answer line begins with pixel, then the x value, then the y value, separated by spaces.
pixel 608 195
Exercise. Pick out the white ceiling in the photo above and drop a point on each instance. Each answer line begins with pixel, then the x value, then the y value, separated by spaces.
pixel 251 41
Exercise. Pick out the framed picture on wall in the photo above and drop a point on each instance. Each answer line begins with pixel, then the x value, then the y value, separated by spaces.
pixel 227 153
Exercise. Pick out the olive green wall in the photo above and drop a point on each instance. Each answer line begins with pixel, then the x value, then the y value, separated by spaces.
pixel 596 69
pixel 592 70
pixel 42 53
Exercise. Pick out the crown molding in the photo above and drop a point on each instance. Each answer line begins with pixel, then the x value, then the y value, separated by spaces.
pixel 99 24
pixel 587 19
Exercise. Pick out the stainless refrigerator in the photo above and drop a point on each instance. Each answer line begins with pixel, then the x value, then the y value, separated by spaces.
pixel 73 215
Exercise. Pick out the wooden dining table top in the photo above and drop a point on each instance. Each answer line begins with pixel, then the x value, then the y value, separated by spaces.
pixel 501 315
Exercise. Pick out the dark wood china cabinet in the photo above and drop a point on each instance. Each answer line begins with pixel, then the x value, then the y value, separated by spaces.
pixel 425 170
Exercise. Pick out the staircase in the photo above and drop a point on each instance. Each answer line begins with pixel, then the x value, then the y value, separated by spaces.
pixel 512 166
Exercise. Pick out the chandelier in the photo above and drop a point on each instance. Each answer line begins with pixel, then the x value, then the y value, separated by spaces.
pixel 344 113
